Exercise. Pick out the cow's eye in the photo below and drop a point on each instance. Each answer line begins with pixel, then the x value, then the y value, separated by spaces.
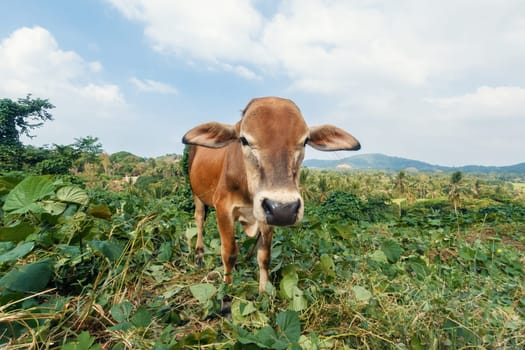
pixel 243 140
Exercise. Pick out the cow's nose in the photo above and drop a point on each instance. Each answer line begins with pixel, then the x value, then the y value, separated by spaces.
pixel 281 214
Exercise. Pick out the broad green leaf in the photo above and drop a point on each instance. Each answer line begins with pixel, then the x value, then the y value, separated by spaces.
pixel 299 301
pixel 290 325
pixel 379 256
pixel 361 293
pixel 203 292
pixel 191 232
pixel 327 265
pixel 267 338
pixel 72 194
pixel 69 250
pixel 16 233
pixel 7 183
pixel 101 211
pixel 6 246
pixel 205 337
pixel 22 198
pixel 247 313
pixel 247 308
pixel 20 251
pixel 243 336
pixel 122 311
pixel 52 207
pixel 28 278
pixel 141 318
pixel 288 283
pixel 392 250
pixel 84 342
pixel 122 326
pixel 345 231
pixel 165 252
pixel 109 249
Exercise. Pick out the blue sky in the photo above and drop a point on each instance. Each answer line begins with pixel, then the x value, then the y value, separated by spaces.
pixel 438 81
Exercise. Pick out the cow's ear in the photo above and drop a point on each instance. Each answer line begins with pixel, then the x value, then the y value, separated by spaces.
pixel 331 138
pixel 214 135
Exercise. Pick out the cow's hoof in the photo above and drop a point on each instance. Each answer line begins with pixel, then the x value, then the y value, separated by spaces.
pixel 199 255
pixel 226 307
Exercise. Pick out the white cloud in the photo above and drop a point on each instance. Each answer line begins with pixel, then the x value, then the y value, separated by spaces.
pixel 31 61
pixel 502 102
pixel 241 71
pixel 334 47
pixel 107 93
pixel 148 85
pixel 212 31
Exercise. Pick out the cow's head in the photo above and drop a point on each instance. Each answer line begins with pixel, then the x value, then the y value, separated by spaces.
pixel 272 135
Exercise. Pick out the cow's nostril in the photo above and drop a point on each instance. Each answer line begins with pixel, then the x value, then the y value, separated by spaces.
pixel 267 206
pixel 281 214
pixel 294 207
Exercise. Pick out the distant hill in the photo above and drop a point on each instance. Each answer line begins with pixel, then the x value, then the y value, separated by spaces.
pixel 382 162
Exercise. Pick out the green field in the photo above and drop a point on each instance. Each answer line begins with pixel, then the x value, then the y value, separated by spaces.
pixel 381 261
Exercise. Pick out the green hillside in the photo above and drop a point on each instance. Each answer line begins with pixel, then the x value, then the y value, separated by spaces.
pixel 378 161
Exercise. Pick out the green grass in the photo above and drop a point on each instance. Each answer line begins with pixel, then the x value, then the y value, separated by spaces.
pixel 353 276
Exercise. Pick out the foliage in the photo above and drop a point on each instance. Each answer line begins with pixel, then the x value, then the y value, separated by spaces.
pixel 88 149
pixel 125 163
pixel 19 118
pixel 54 160
pixel 86 267
pixel 346 206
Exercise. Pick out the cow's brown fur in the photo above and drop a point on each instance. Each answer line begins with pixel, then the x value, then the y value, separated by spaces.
pixel 250 173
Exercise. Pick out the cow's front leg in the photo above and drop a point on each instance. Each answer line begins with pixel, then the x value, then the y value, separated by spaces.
pixel 264 249
pixel 225 223
pixel 228 246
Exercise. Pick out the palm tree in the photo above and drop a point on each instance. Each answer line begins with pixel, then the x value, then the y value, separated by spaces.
pixel 454 194
pixel 401 182
pixel 477 188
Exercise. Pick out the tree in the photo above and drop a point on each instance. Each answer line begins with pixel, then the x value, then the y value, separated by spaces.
pixel 50 159
pixel 19 118
pixel 454 193
pixel 400 183
pixel 89 149
pixel 59 160
pixel 106 163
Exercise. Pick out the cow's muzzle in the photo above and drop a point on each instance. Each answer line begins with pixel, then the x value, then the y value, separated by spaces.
pixel 281 214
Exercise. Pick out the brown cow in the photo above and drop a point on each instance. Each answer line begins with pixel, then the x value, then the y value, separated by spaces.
pixel 250 173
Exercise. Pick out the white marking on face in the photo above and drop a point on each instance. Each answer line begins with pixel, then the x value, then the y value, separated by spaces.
pixel 276 195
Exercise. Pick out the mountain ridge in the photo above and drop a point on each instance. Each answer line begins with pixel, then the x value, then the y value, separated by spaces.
pixel 378 161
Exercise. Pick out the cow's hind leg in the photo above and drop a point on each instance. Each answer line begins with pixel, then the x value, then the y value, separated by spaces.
pixel 200 217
